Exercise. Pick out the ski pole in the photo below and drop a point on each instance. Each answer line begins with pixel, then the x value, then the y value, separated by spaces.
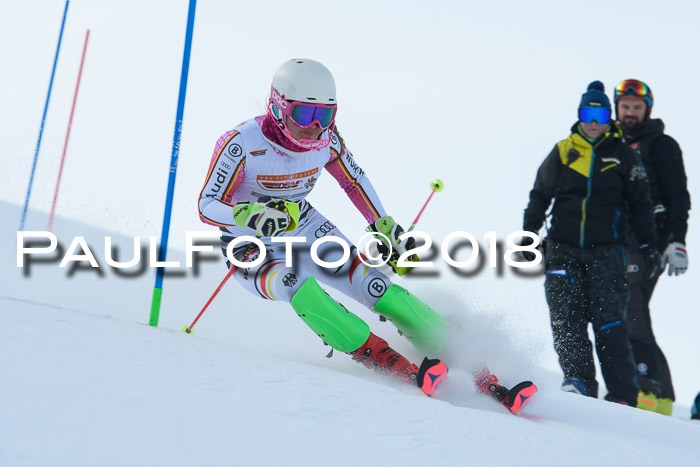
pixel 231 271
pixel 436 186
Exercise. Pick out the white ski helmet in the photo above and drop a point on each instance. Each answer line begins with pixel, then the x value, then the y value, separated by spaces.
pixel 301 80
pixel 304 80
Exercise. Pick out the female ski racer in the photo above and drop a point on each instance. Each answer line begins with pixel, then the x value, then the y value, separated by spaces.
pixel 259 177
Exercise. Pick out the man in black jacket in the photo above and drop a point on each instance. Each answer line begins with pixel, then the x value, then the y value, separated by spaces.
pixel 663 160
pixel 598 184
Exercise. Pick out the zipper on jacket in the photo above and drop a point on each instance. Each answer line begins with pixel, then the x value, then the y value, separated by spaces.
pixel 594 146
pixel 585 200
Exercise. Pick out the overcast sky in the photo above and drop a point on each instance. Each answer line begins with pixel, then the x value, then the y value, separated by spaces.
pixel 473 93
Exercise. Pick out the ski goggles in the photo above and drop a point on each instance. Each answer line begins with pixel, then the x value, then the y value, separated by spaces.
pixel 303 113
pixel 636 88
pixel 599 114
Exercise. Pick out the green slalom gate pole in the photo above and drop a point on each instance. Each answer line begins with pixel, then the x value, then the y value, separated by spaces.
pixel 162 252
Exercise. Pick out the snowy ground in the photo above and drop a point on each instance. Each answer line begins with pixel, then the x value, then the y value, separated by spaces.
pixel 87 382
pixel 88 389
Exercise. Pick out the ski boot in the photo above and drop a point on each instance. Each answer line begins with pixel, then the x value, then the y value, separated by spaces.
pixel 377 355
pixel 513 399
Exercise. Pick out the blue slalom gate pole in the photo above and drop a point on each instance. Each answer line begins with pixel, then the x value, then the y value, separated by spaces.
pixel 162 252
pixel 43 120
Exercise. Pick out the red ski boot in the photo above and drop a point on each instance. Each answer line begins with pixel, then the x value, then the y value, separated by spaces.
pixel 377 355
pixel 514 399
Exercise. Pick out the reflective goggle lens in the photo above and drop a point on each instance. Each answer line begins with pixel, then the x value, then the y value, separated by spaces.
pixel 632 87
pixel 304 115
pixel 599 114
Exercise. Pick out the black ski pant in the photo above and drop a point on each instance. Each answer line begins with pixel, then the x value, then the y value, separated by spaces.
pixel 652 369
pixel 589 285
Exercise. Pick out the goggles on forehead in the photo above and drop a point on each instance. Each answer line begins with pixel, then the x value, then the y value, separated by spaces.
pixel 303 113
pixel 635 88
pixel 599 114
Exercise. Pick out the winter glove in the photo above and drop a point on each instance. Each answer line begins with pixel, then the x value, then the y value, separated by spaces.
pixel 390 246
pixel 676 257
pixel 652 259
pixel 268 217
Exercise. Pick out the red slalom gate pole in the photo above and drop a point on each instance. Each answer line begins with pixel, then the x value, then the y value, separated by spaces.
pixel 70 123
pixel 231 271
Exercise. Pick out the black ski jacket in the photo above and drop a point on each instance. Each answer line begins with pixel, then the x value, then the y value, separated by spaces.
pixel 668 184
pixel 595 188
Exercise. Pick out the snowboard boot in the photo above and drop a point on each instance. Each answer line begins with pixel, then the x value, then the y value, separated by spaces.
pixel 665 406
pixel 377 355
pixel 578 386
pixel 647 401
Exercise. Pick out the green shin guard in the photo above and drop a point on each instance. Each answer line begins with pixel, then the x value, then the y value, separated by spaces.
pixel 426 329
pixel 334 324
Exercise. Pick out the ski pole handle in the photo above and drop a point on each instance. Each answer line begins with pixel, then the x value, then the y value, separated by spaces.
pixel 436 186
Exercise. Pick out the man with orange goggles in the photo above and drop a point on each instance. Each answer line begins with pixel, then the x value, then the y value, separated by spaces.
pixel 663 160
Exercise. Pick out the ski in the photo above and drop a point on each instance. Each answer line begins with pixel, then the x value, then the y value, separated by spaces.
pixel 430 375
pixel 514 399
pixel 432 372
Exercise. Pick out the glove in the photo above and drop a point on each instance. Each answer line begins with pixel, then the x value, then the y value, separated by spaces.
pixel 676 257
pixel 652 259
pixel 528 255
pixel 390 247
pixel 268 217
